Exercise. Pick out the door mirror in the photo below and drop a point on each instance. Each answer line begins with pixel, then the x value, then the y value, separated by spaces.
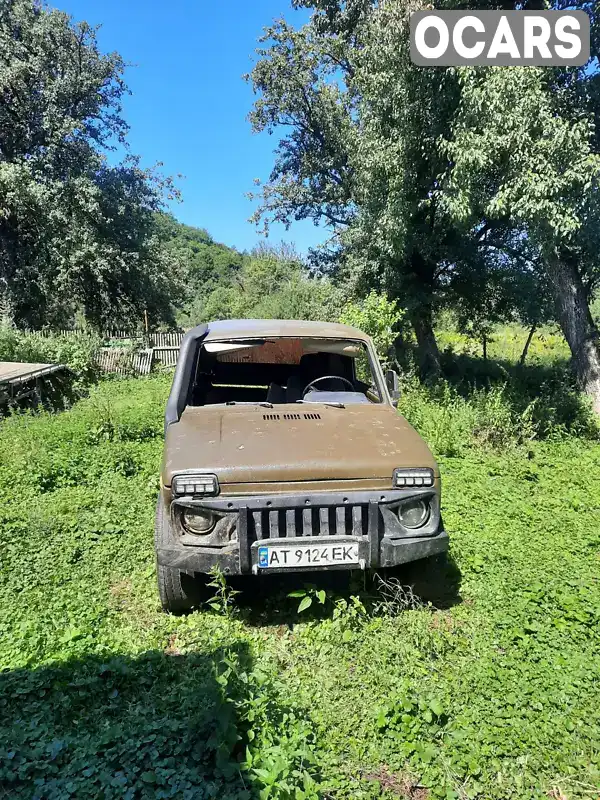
pixel 393 384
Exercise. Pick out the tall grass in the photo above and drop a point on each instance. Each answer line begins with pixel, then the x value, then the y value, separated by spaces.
pixel 454 419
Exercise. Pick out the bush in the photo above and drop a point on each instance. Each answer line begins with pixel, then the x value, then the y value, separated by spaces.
pixel 454 419
pixel 78 352
pixel 379 318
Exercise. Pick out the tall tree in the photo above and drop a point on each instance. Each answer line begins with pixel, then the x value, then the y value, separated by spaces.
pixel 360 152
pixel 524 149
pixel 76 233
pixel 437 181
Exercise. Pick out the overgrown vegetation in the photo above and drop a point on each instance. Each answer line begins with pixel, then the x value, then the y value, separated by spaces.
pixel 468 197
pixel 474 679
pixel 77 352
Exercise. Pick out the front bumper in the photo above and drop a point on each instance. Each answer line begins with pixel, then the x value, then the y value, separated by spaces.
pixel 367 519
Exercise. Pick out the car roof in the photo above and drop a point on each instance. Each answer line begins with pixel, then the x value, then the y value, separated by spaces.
pixel 250 328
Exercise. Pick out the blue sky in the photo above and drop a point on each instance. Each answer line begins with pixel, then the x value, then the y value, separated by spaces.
pixel 189 103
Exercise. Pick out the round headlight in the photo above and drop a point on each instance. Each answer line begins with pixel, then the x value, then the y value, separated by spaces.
pixel 413 513
pixel 199 521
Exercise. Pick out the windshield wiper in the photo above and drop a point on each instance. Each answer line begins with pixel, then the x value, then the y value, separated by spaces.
pixel 330 403
pixel 262 403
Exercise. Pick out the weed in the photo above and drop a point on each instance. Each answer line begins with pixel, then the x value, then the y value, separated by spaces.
pixel 393 596
pixel 223 600
pixel 309 595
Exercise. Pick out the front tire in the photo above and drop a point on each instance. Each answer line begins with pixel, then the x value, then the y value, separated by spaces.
pixel 178 590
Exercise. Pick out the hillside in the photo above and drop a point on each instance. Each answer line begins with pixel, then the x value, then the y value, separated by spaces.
pixel 202 264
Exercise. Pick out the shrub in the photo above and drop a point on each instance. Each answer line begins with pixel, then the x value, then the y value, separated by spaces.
pixel 499 416
pixel 78 351
pixel 378 317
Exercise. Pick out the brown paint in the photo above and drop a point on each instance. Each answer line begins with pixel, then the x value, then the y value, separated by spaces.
pixel 239 445
pixel 253 449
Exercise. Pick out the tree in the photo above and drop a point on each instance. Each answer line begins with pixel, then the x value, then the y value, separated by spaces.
pixel 524 150
pixel 360 152
pixel 436 181
pixel 273 283
pixel 377 317
pixel 203 264
pixel 76 233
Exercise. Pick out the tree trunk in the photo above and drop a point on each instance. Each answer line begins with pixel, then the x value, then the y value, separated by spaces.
pixel 429 355
pixel 576 321
pixel 532 330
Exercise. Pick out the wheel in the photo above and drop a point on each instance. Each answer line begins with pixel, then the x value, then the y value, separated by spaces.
pixel 178 591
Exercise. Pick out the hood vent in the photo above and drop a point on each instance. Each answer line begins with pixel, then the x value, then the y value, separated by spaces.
pixel 290 417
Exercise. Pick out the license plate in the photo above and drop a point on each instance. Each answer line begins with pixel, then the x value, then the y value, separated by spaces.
pixel 322 555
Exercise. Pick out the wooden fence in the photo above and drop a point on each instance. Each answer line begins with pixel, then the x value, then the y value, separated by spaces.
pixel 153 349
pixel 123 361
pixel 152 340
pixel 117 360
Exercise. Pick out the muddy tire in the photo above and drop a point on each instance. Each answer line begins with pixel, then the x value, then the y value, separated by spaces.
pixel 178 591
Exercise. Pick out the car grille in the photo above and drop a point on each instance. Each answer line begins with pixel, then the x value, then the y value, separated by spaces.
pixel 282 523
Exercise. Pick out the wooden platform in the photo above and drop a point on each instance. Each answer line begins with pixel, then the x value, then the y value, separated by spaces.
pixel 20 381
pixel 13 373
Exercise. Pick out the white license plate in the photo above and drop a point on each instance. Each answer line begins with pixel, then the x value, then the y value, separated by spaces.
pixel 318 555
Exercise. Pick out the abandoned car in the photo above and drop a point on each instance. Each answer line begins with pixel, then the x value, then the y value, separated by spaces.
pixel 284 452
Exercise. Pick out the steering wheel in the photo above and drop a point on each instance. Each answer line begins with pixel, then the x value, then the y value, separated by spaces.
pixel 310 385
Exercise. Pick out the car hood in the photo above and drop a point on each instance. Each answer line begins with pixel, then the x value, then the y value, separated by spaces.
pixel 252 444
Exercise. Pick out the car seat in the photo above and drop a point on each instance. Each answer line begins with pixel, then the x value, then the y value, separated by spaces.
pixel 276 394
pixel 294 388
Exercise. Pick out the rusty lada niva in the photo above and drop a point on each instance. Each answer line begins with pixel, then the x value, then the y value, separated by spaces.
pixel 284 452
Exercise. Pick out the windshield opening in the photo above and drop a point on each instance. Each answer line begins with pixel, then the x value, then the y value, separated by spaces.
pixel 281 370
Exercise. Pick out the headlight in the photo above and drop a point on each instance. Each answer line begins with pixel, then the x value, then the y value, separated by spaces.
pixel 413 477
pixel 414 513
pixel 192 484
pixel 199 521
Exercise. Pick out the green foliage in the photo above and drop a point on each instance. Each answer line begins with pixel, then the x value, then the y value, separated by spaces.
pixel 491 693
pixel 475 189
pixel 204 265
pixel 273 283
pixel 309 595
pixel 498 403
pixel 223 600
pixel 77 234
pixel 378 317
pixel 77 352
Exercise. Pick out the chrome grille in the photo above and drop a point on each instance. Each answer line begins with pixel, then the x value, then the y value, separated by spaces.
pixel 290 523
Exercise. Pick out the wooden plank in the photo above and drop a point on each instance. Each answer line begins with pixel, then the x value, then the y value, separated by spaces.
pixel 16 372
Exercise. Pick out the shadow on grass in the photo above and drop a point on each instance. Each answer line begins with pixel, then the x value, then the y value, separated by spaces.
pixel 264 599
pixel 157 725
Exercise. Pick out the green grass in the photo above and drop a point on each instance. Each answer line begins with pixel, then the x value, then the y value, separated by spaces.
pixel 507 342
pixel 492 691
